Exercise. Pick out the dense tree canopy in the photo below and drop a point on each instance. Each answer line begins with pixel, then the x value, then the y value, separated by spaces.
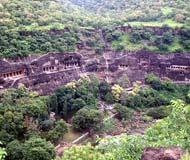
pixel 36 27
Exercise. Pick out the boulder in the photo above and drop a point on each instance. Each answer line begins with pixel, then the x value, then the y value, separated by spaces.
pixel 162 153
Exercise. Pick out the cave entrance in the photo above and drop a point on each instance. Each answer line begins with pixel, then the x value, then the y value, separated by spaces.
pixel 13 74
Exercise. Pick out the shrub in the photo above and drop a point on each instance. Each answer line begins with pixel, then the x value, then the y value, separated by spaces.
pixel 123 147
pixel 14 150
pixel 159 112
pixel 146 118
pixel 47 125
pixel 108 125
pixel 185 156
pixel 38 149
pixel 124 113
pixel 2 153
pixel 59 130
pixel 86 152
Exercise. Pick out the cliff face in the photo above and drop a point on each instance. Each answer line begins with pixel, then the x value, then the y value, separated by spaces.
pixel 47 72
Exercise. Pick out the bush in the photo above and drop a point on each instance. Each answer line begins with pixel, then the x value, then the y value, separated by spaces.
pixel 185 156
pixel 154 81
pixel 108 125
pixel 159 112
pixel 86 152
pixel 146 118
pixel 47 125
pixel 59 130
pixel 123 113
pixel 2 153
pixel 14 150
pixel 38 149
pixel 172 130
pixel 123 147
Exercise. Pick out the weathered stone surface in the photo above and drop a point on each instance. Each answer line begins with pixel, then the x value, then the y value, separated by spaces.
pixel 45 73
pixel 162 153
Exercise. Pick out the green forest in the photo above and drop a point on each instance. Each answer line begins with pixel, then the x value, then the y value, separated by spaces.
pixel 29 27
pixel 119 124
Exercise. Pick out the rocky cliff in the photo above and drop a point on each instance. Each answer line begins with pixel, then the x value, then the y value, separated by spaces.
pixel 47 72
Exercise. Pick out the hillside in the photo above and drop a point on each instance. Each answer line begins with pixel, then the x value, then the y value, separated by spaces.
pixel 38 27
pixel 94 80
pixel 174 13
pixel 29 15
pixel 40 15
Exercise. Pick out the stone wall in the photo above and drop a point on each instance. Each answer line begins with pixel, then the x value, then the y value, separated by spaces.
pixel 47 72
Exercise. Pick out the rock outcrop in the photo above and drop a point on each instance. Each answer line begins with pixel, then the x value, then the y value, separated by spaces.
pixel 162 153
pixel 47 72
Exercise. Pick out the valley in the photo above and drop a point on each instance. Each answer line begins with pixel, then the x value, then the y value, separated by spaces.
pixel 94 80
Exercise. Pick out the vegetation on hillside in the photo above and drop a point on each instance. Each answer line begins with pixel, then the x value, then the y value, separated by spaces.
pixel 36 27
pixel 140 11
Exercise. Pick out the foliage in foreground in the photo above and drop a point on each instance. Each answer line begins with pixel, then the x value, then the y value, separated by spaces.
pixel 34 148
pixel 87 152
pixel 185 156
pixel 2 153
pixel 174 129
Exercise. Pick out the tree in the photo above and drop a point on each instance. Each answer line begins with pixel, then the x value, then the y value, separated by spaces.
pixel 12 122
pixel 117 91
pixel 168 38
pixel 151 78
pixel 87 119
pixel 38 149
pixel 104 88
pixel 47 125
pixel 5 137
pixel 65 97
pixel 78 103
pixel 14 150
pixel 32 107
pixel 59 130
pixel 154 81
pixel 186 44
pixel 135 37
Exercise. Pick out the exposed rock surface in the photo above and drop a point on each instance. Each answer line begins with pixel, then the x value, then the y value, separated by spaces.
pixel 162 153
pixel 45 73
